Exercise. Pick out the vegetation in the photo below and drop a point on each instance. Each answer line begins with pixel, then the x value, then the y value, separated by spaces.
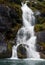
pixel 38 5
pixel 39 27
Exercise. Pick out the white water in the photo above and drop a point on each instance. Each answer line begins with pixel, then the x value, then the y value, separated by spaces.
pixel 26 34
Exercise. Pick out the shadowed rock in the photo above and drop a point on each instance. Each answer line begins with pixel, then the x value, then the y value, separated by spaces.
pixel 41 36
pixel 21 51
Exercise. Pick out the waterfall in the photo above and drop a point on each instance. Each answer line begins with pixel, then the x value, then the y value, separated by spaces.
pixel 26 35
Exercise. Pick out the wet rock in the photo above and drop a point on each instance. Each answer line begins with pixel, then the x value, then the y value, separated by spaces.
pixel 43 14
pixel 21 51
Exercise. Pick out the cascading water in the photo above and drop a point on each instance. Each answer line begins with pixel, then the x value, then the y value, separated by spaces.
pixel 26 34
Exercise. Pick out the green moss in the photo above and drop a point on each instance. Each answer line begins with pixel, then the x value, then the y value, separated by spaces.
pixel 11 1
pixel 34 9
pixel 40 20
pixel 40 6
pixel 42 44
pixel 39 27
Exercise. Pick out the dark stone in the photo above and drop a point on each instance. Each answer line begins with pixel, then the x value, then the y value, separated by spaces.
pixel 4 18
pixel 40 0
pixel 43 14
pixel 16 1
pixel 41 36
pixel 40 45
pixel 14 14
pixel 21 51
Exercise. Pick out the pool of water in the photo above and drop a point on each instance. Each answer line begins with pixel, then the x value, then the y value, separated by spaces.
pixel 21 62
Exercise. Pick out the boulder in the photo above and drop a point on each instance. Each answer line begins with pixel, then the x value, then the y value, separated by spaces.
pixel 21 51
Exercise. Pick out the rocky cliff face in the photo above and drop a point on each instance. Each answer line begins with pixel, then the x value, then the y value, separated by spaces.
pixel 41 36
pixel 41 43
pixel 8 17
pixel 10 22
